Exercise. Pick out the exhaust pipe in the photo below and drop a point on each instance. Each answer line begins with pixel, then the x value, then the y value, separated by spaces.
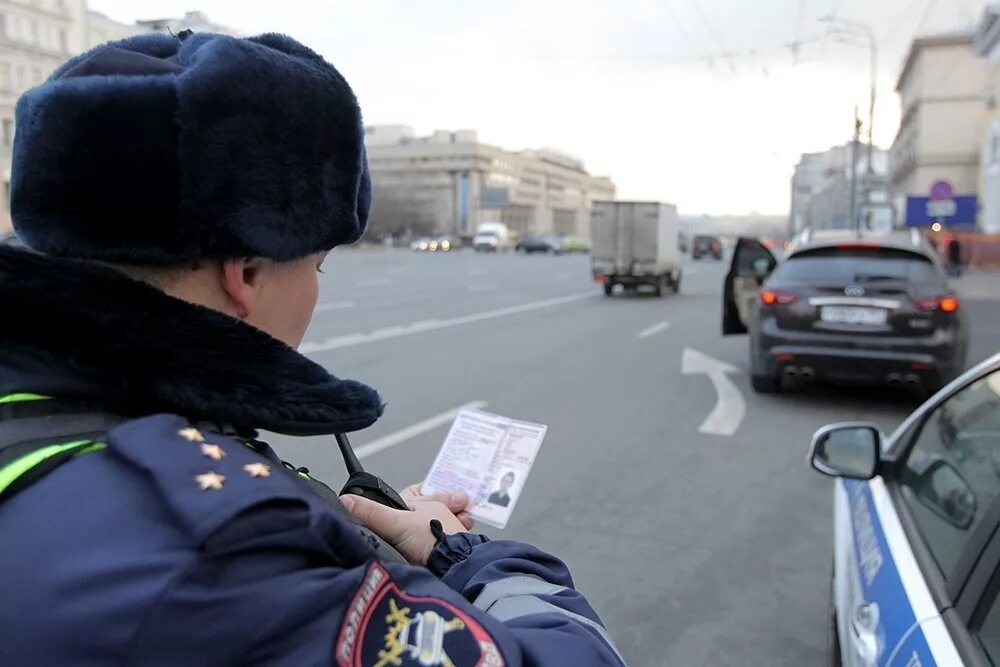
pixel 913 381
pixel 894 380
pixel 791 371
pixel 807 373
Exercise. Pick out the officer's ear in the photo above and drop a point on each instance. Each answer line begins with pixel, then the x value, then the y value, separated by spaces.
pixel 241 282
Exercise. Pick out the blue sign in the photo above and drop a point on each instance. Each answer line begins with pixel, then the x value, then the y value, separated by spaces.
pixel 942 190
pixel 958 211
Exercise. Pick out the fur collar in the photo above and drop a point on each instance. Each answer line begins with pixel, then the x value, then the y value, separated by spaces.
pixel 132 348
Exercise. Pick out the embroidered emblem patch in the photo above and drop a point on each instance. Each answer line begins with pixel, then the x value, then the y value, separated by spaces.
pixel 385 627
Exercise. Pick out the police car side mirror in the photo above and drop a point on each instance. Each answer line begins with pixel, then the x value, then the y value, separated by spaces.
pixel 849 449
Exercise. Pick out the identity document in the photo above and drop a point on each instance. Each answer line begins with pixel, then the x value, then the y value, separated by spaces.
pixel 489 457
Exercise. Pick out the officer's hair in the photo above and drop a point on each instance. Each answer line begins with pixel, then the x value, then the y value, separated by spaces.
pixel 161 277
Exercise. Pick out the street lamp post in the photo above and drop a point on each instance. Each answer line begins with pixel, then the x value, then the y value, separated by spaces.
pixel 873 53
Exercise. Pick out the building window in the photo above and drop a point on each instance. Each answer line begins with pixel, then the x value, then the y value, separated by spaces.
pixel 19 81
pixel 36 75
pixel 4 76
pixel 8 131
pixel 63 46
pixel 33 31
pixel 3 25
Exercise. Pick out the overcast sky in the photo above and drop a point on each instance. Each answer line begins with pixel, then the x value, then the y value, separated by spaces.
pixel 641 90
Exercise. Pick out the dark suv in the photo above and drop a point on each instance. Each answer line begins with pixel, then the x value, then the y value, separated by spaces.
pixel 845 306
pixel 706 245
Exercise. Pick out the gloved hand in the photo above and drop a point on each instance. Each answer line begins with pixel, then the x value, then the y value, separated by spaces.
pixel 410 532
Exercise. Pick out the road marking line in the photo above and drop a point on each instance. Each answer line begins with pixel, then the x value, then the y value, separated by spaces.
pixel 432 325
pixel 691 270
pixel 412 431
pixel 653 330
pixel 480 288
pixel 374 282
pixel 334 305
pixel 730 408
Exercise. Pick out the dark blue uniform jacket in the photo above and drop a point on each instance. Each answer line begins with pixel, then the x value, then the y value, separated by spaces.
pixel 176 539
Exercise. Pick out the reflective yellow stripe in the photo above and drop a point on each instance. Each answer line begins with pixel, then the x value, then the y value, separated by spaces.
pixel 10 473
pixel 16 398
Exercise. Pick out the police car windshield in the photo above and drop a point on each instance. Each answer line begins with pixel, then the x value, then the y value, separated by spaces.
pixel 857 266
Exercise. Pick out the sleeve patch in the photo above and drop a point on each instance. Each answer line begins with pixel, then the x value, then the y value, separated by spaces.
pixel 385 627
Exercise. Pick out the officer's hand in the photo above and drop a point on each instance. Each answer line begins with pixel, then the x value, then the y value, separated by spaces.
pixel 456 502
pixel 409 532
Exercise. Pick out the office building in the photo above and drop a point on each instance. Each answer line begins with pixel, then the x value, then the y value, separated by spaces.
pixel 450 182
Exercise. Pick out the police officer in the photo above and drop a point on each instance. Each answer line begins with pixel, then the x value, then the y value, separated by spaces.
pixel 179 195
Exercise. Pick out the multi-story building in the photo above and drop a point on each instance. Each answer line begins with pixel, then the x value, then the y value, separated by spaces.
pixel 101 29
pixel 987 44
pixel 35 38
pixel 822 184
pixel 196 21
pixel 451 182
pixel 941 88
pixel 806 182
pixel 38 36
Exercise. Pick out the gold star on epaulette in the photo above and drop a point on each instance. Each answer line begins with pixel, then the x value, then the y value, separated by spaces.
pixel 213 452
pixel 258 469
pixel 191 434
pixel 210 480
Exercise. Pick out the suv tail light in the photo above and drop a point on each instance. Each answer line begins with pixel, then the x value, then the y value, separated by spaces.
pixel 946 304
pixel 772 297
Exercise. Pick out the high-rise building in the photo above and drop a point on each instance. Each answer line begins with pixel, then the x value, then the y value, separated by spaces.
pixel 987 45
pixel 941 89
pixel 196 21
pixel 822 188
pixel 451 182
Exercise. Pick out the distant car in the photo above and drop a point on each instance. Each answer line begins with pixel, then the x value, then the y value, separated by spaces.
pixel 421 244
pixel 576 244
pixel 846 306
pixel 486 242
pixel 706 245
pixel 916 532
pixel 445 243
pixel 544 244
pixel 493 237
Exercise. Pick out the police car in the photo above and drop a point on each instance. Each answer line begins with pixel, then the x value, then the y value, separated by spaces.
pixel 916 567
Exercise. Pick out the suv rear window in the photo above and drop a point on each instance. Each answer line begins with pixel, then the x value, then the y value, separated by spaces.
pixel 857 266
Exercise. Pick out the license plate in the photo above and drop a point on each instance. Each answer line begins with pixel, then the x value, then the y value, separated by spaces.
pixel 852 315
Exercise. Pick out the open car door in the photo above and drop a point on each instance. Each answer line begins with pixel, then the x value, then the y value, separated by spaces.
pixel 752 263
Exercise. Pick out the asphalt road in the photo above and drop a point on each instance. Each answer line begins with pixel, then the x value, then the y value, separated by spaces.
pixel 696 549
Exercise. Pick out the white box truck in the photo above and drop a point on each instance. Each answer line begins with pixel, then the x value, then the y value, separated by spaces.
pixel 635 244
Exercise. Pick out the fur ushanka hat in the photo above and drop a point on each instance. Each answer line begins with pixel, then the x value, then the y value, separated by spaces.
pixel 162 150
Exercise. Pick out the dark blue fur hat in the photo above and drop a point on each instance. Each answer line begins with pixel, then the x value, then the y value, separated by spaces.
pixel 163 150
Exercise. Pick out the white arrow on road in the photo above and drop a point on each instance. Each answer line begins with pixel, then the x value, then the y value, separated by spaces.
pixel 730 408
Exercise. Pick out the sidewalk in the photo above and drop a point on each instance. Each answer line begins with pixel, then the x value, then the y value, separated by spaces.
pixel 979 294
pixel 977 285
